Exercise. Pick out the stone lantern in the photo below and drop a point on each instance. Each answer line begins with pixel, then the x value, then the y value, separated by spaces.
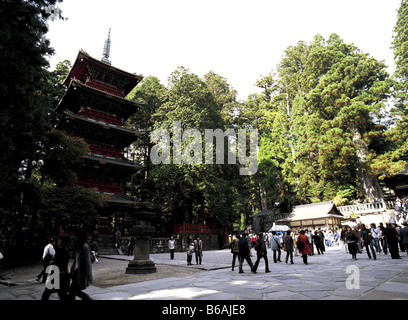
pixel 143 213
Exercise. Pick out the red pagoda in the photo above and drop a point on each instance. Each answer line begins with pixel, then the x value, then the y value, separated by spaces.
pixel 94 108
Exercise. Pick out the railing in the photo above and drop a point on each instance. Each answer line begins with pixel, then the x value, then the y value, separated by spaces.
pixel 105 87
pixel 102 186
pixel 195 228
pixel 105 151
pixel 100 116
pixel 367 208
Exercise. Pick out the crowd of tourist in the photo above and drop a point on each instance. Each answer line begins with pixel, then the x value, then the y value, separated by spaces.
pixel 390 238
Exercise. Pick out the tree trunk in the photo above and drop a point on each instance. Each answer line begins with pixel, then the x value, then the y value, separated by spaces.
pixel 262 194
pixel 369 182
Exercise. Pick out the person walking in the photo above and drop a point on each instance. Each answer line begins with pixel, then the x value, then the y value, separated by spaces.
pixel 172 246
pixel 48 255
pixel 321 234
pixel 404 236
pixel 60 260
pixel 198 249
pixel 310 237
pixel 94 250
pixel 343 238
pixel 359 244
pixel 261 252
pixel 318 241
pixel 383 238
pixel 351 239
pixel 190 250
pixel 392 240
pixel 244 253
pixel 288 246
pixel 375 237
pixel 275 247
pixel 234 250
pixel 303 245
pixel 365 236
pixel 81 270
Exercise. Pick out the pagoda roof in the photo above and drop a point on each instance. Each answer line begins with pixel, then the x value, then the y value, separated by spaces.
pixel 313 211
pixel 79 95
pixel 121 199
pixel 123 163
pixel 96 130
pixel 84 60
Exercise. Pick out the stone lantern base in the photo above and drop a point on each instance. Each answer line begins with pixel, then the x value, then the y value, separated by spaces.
pixel 141 264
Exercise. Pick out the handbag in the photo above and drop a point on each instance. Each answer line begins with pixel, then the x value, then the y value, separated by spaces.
pixel 279 246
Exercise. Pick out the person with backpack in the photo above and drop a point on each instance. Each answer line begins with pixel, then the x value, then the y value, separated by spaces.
pixel 244 253
pixel 288 246
pixel 261 252
pixel 303 245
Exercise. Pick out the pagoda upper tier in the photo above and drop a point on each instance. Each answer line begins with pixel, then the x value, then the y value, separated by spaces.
pixel 80 95
pixel 102 76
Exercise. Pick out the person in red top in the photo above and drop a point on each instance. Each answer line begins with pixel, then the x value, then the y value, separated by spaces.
pixel 303 245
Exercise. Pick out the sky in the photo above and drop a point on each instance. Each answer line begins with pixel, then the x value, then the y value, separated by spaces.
pixel 239 40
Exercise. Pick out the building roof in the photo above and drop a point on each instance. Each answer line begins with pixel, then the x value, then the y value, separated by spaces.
pixel 80 95
pixel 121 199
pixel 124 163
pixel 313 211
pixel 98 131
pixel 80 68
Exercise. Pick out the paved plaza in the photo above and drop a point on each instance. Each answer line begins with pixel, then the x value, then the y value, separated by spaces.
pixel 331 276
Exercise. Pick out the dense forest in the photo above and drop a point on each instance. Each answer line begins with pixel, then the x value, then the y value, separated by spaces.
pixel 331 123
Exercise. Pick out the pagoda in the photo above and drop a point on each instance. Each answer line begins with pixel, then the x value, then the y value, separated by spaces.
pixel 94 108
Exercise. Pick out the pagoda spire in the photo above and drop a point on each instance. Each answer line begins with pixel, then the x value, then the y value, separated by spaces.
pixel 106 49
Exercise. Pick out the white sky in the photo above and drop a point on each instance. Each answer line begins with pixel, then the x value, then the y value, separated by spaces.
pixel 239 40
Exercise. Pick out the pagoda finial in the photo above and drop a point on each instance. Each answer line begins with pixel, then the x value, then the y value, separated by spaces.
pixel 106 49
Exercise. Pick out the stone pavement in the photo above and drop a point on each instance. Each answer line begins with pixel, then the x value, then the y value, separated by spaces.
pixel 332 276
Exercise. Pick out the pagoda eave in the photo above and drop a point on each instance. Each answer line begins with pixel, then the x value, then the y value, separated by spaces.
pixel 125 164
pixel 104 125
pixel 84 61
pixel 79 95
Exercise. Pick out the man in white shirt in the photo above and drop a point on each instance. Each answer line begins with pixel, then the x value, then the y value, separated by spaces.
pixel 48 255
pixel 375 234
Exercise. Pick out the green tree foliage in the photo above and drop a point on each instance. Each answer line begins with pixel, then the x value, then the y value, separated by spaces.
pixel 24 115
pixel 327 106
pixel 34 158
pixel 188 192
pixel 397 137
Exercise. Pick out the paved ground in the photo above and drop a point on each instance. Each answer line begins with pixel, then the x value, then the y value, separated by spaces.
pixel 331 276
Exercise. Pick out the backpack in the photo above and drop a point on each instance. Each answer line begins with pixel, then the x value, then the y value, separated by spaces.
pixel 300 244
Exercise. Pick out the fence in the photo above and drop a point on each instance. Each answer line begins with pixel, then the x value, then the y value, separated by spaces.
pixel 367 208
pixel 197 228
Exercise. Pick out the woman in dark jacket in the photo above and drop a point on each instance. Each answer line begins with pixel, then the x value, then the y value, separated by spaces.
pixel 81 270
pixel 351 240
pixel 317 239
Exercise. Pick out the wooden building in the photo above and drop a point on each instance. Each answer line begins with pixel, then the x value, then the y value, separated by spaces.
pixel 94 108
pixel 323 215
